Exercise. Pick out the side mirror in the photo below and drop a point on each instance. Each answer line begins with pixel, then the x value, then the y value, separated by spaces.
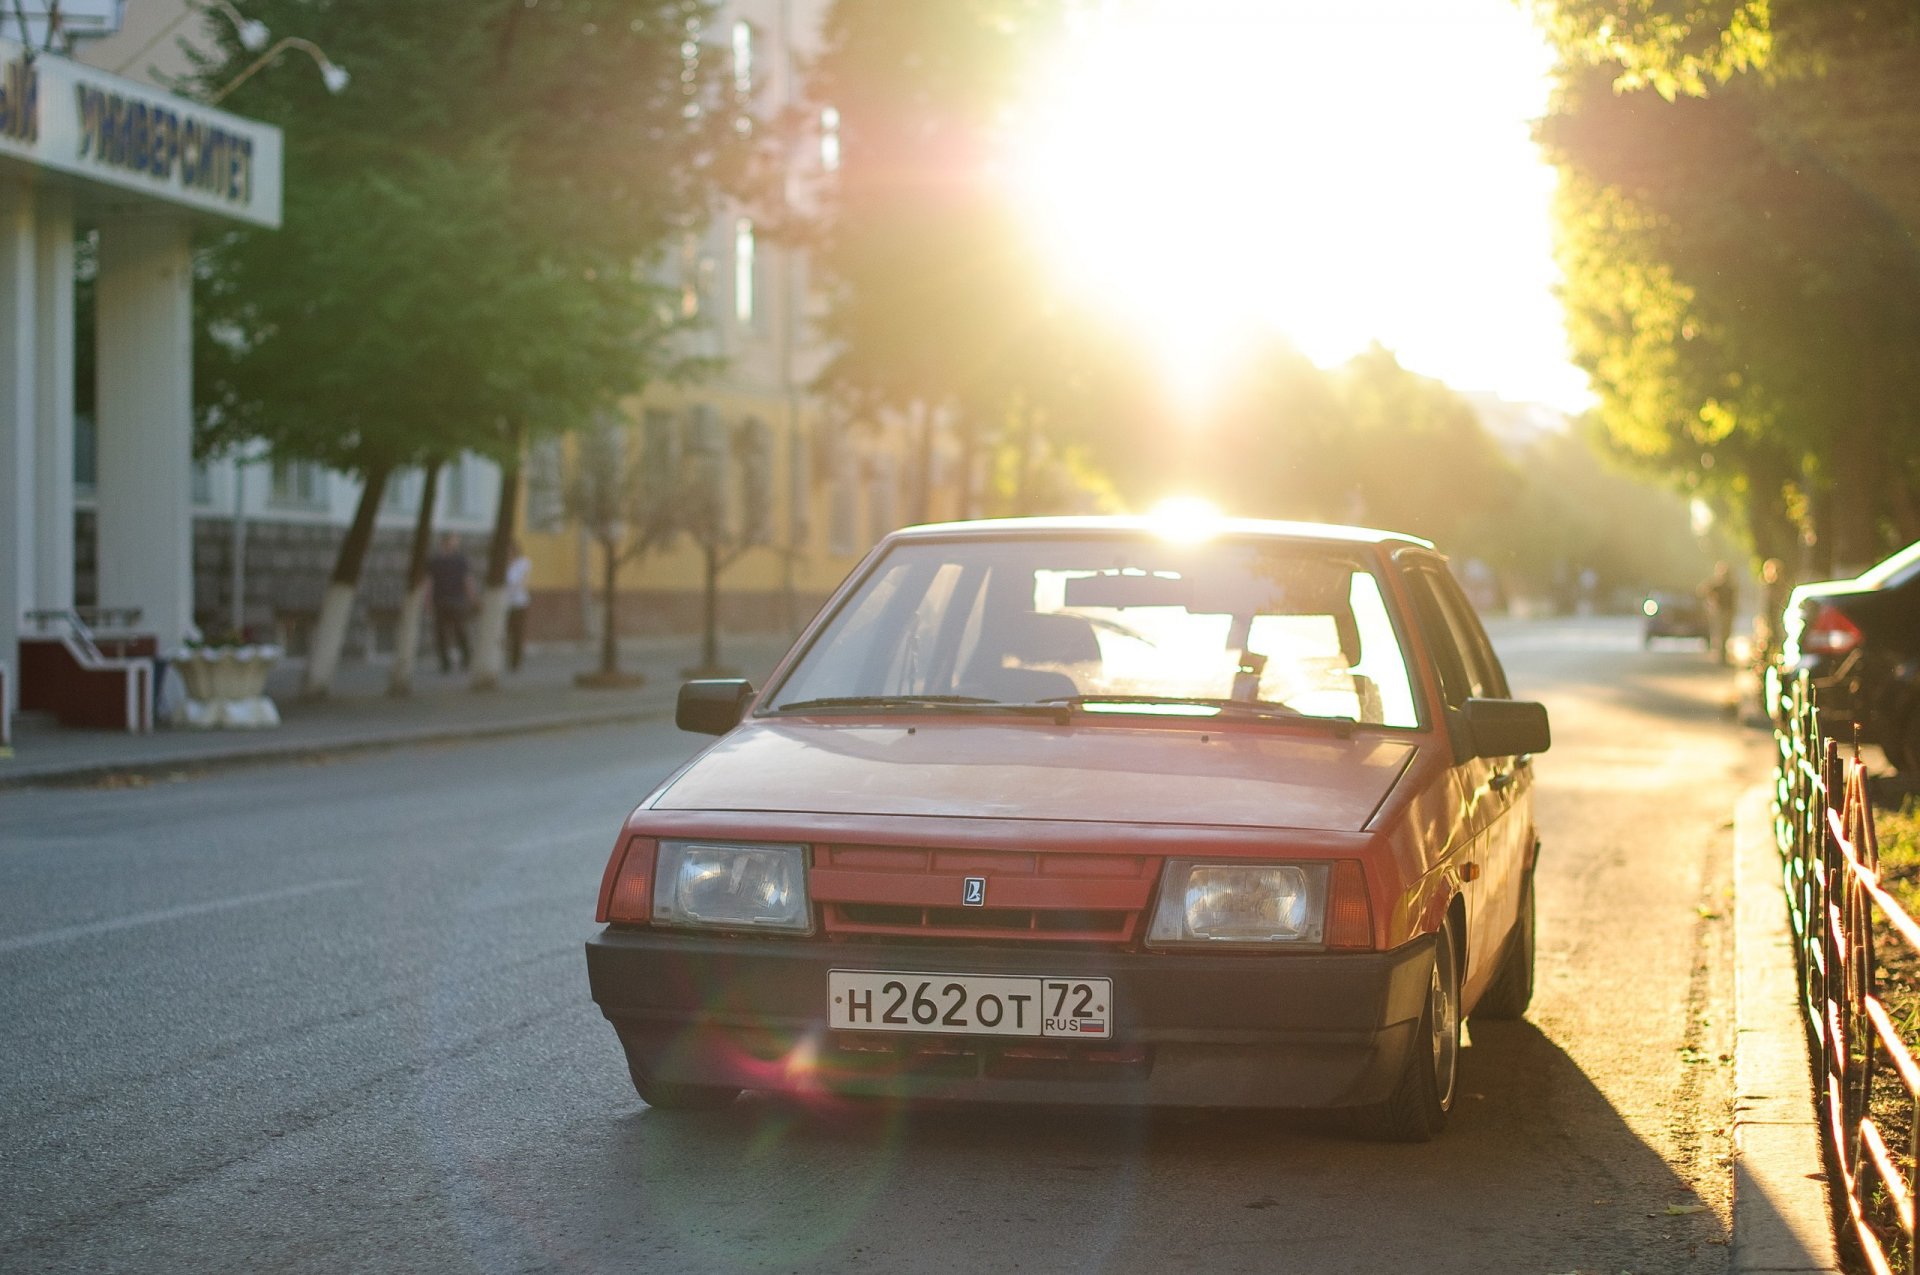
pixel 1505 727
pixel 712 707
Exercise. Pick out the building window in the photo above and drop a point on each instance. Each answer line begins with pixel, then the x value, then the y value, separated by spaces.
pixel 298 484
pixel 546 486
pixel 202 483
pixel 829 139
pixel 799 490
pixel 743 57
pixel 402 492
pixel 453 488
pixel 753 453
pixel 743 272
pixel 843 514
pixel 86 454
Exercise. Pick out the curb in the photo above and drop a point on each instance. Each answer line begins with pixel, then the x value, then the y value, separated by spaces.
pixel 263 752
pixel 1782 1221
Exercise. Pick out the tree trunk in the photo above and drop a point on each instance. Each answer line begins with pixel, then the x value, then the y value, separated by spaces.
pixel 609 613
pixel 710 619
pixel 330 631
pixel 923 464
pixel 969 459
pixel 490 636
pixel 406 640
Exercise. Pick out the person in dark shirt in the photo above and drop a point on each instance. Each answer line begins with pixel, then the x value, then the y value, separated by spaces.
pixel 452 581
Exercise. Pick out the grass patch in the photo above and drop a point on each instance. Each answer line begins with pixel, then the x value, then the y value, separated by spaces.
pixel 1897 984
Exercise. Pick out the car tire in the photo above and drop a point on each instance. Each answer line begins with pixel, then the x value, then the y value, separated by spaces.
pixel 670 1095
pixel 1512 988
pixel 1417 1109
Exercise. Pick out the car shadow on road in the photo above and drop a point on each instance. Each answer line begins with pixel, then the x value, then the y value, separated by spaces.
pixel 1538 1171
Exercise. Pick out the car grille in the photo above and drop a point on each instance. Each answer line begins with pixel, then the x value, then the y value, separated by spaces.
pixel 915 893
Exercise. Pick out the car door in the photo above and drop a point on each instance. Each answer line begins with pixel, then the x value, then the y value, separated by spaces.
pixel 1484 788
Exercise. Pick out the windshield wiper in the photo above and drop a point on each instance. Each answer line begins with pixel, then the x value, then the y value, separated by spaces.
pixel 1235 707
pixel 911 703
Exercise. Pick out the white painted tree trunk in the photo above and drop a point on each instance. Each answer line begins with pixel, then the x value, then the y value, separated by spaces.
pixel 490 639
pixel 406 640
pixel 329 635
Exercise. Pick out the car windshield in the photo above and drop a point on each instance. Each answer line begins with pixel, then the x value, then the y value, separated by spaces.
pixel 1111 624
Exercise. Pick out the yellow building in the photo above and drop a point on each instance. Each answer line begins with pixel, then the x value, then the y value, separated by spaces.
pixel 806 494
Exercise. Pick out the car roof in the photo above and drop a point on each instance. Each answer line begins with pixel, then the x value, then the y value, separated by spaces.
pixel 1135 524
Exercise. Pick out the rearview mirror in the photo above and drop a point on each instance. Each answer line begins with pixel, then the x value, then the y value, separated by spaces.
pixel 1506 727
pixel 712 707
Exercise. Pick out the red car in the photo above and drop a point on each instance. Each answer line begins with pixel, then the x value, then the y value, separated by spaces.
pixel 1072 810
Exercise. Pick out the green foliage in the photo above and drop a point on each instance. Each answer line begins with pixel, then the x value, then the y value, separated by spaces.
pixel 932 298
pixel 1673 46
pixel 471 230
pixel 1741 273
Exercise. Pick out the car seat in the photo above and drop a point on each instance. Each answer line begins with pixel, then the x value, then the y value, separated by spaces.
pixel 1031 656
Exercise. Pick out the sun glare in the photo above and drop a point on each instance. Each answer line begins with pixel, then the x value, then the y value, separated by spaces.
pixel 1216 170
pixel 1186 519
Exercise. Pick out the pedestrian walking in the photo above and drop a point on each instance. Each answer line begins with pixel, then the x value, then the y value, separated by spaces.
pixel 1720 593
pixel 519 600
pixel 452 578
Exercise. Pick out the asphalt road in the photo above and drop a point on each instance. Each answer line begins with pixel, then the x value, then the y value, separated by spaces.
pixel 334 1017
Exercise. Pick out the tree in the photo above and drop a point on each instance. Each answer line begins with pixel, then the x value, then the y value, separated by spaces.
pixel 623 499
pixel 933 301
pixel 472 236
pixel 1742 310
pixel 722 500
pixel 1739 226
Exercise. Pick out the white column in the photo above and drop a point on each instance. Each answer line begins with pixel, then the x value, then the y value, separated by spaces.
pixel 18 330
pixel 145 421
pixel 53 400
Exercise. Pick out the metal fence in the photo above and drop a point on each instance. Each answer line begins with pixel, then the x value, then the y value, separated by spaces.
pixel 1865 1078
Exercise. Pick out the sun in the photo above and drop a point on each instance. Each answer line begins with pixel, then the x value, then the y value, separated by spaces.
pixel 1217 171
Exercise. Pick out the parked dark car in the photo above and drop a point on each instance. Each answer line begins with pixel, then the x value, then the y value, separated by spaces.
pixel 1673 615
pixel 1085 810
pixel 1859 639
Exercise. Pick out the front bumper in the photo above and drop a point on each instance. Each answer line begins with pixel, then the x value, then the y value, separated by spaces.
pixel 1253 1030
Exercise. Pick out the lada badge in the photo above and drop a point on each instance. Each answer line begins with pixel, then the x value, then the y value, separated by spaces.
pixel 973 892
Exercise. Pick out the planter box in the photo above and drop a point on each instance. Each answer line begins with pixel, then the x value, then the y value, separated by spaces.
pixel 226 686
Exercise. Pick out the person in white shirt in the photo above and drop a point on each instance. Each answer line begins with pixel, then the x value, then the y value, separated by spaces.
pixel 519 567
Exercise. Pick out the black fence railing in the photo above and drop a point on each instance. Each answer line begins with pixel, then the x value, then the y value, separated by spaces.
pixel 1865 1077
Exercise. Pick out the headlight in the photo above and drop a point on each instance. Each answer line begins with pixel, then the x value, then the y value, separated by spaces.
pixel 1240 903
pixel 732 886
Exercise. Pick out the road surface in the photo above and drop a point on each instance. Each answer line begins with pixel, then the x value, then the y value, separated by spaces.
pixel 334 1017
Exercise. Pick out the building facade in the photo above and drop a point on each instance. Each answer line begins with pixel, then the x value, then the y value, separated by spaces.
pixel 99 165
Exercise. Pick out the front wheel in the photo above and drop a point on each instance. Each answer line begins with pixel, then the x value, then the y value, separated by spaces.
pixel 1417 1109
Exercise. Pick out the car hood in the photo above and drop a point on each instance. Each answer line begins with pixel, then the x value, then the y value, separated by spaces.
pixel 1110 772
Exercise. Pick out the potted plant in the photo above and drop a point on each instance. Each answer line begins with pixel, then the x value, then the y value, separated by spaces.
pixel 226 680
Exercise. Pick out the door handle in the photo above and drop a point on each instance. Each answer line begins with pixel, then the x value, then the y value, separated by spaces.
pixel 1501 780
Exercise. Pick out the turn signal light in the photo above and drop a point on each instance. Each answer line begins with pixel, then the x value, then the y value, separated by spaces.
pixel 626 892
pixel 1349 913
pixel 1830 633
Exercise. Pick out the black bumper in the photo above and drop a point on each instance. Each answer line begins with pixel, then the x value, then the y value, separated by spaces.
pixel 1257 1030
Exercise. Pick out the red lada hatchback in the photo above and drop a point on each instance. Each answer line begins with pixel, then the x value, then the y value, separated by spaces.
pixel 1070 810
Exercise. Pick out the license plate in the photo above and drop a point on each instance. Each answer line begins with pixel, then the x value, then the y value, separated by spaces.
pixel 970 1004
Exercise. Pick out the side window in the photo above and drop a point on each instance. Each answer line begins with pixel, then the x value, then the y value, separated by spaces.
pixel 1483 665
pixel 1458 677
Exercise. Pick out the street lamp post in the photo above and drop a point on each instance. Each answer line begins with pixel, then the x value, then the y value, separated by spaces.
pixel 332 75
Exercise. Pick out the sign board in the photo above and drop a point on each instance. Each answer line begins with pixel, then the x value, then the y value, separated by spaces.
pixel 58 115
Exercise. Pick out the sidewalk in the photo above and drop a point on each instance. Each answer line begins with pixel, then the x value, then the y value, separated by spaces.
pixel 360 714
pixel 1781 1221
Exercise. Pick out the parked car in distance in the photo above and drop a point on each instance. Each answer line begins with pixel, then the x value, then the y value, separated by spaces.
pixel 1859 641
pixel 1673 615
pixel 1082 810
